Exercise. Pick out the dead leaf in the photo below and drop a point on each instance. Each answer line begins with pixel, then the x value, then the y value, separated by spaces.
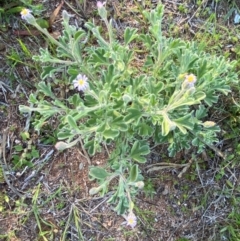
pixel 56 34
pixel 26 32
pixel 54 14
pixel 185 168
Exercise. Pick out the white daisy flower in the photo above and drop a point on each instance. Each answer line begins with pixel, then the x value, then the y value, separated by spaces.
pixel 26 13
pixel 131 219
pixel 81 82
pixel 190 80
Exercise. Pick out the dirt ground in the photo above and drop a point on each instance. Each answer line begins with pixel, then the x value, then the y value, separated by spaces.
pixel 193 204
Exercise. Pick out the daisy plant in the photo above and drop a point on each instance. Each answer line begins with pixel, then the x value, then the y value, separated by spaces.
pixel 128 98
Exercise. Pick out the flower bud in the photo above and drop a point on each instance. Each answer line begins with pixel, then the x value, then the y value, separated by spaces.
pixel 66 16
pixel 127 98
pixel 209 124
pixel 100 4
pixel 139 184
pixel 94 190
pixel 60 146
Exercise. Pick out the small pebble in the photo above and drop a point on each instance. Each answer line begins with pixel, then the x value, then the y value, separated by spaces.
pixel 2 47
pixel 81 166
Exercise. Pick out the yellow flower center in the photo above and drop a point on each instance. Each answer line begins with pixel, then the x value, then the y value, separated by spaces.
pixel 191 78
pixel 81 82
pixel 130 220
pixel 24 12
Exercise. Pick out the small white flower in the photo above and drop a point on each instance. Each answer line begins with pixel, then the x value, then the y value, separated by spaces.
pixel 26 13
pixel 100 4
pixel 190 80
pixel 131 220
pixel 81 83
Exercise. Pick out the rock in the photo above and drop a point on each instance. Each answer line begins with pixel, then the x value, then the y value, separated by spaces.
pixel 2 47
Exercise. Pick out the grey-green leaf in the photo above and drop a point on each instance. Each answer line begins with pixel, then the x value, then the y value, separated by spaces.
pixel 129 35
pixel 110 134
pixel 133 115
pixel 98 173
pixel 46 89
pixel 72 122
pixel 138 150
pixel 134 173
